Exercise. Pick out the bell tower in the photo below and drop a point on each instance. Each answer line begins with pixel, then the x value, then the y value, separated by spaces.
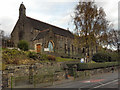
pixel 22 10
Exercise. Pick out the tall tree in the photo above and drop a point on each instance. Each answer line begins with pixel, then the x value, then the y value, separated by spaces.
pixel 90 24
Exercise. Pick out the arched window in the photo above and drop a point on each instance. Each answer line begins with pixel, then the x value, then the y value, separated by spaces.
pixel 50 46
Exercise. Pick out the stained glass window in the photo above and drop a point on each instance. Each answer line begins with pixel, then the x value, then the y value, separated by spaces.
pixel 50 46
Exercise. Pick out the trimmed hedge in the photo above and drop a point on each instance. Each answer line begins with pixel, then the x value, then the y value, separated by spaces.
pixel 90 66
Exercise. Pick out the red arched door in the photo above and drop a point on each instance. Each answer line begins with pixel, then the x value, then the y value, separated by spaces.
pixel 38 48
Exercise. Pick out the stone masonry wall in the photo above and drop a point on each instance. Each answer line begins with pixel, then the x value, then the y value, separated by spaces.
pixel 44 72
pixel 27 73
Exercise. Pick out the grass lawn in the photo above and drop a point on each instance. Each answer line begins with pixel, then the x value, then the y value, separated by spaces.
pixel 59 59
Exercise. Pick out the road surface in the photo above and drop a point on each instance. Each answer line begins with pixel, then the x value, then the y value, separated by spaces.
pixel 107 80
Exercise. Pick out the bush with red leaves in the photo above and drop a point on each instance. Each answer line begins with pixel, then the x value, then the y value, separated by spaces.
pixel 51 58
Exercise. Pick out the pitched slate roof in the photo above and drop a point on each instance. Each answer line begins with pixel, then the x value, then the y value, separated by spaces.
pixel 39 25
pixel 41 34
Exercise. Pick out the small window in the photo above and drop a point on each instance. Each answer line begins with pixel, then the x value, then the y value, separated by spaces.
pixel 65 48
pixel 72 49
pixel 83 50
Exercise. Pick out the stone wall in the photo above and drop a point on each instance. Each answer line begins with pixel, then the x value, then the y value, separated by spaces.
pixel 24 74
pixel 89 73
pixel 43 73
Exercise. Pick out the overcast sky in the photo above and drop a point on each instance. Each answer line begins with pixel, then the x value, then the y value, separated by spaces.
pixel 56 12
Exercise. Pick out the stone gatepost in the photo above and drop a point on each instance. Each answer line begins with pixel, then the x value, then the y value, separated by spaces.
pixel 66 71
pixel 11 82
pixel 75 71
pixel 10 74
pixel 31 74
pixel 4 79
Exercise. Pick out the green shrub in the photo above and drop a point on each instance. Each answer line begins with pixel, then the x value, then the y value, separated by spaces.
pixel 114 56
pixel 37 56
pixel 101 57
pixel 33 55
pixel 23 45
pixel 51 58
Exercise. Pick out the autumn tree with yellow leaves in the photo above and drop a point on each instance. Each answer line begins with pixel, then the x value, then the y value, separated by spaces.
pixel 90 26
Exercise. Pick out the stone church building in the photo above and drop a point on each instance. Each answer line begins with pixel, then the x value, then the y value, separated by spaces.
pixel 43 37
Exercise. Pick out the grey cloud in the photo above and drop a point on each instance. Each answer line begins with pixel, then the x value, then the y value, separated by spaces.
pixel 7 24
pixel 50 11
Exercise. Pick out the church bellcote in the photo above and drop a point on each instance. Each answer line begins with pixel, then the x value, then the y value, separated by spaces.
pixel 22 10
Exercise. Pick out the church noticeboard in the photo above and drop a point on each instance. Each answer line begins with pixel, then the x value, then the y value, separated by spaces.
pixel 46 49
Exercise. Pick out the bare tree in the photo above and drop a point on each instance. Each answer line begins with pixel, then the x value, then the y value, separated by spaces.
pixel 1 34
pixel 113 38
